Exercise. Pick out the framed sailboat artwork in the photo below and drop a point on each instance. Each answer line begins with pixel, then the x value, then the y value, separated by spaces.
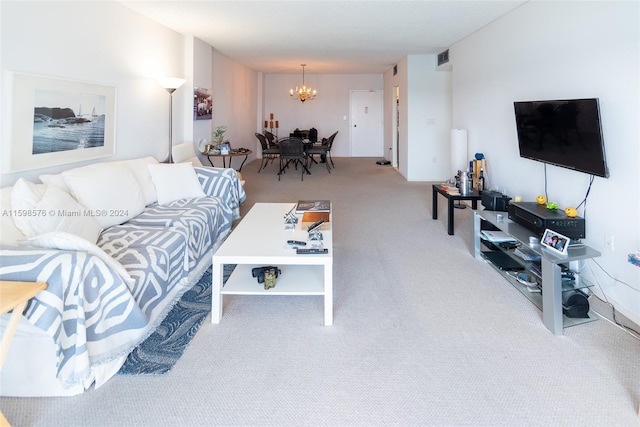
pixel 57 121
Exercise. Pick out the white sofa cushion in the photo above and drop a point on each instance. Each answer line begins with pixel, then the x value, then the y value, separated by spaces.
pixel 175 181
pixel 109 189
pixel 137 166
pixel 47 208
pixel 185 153
pixel 54 179
pixel 9 233
pixel 141 172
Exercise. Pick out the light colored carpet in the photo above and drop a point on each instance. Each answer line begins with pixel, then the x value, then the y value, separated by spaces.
pixel 423 334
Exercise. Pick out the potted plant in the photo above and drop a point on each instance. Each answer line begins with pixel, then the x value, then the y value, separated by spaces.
pixel 217 136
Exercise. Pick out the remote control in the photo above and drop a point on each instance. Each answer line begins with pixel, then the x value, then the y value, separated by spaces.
pixel 303 251
pixel 296 242
pixel 315 225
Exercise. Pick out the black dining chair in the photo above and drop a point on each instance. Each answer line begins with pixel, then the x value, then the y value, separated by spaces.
pixel 271 139
pixel 292 150
pixel 267 152
pixel 323 150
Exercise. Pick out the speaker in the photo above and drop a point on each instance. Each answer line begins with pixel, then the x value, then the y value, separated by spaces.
pixel 495 201
pixel 575 304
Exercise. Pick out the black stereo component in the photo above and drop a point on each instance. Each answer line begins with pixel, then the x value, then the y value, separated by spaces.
pixel 538 218
pixel 495 201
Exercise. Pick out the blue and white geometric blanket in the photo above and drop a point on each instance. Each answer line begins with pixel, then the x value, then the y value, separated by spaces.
pixel 87 309
pixel 95 313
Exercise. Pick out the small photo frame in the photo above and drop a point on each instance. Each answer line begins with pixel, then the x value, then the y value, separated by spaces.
pixel 555 242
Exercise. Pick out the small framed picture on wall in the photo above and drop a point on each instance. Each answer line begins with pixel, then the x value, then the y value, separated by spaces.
pixel 202 104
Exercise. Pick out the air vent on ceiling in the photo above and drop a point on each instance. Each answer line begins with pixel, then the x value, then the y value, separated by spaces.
pixel 443 57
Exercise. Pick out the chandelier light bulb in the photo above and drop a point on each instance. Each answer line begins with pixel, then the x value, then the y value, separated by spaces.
pixel 303 93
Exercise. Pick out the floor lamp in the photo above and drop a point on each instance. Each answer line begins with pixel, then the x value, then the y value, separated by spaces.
pixel 171 84
pixel 459 158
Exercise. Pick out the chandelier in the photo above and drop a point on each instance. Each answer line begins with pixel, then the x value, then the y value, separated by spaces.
pixel 304 93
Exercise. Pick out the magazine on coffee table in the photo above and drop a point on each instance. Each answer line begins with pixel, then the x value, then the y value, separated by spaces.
pixel 313 206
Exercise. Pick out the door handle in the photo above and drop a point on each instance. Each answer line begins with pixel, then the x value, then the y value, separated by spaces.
pixel 355 126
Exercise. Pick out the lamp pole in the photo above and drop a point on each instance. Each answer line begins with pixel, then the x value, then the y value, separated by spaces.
pixel 171 84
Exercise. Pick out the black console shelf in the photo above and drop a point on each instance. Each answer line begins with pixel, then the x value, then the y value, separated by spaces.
pixel 548 269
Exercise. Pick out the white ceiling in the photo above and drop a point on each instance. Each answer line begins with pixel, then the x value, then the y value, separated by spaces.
pixel 329 36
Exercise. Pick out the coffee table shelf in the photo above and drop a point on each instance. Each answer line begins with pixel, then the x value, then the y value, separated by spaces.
pixel 294 280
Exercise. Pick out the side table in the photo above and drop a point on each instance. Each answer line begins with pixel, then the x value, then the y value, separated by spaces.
pixel 474 196
pixel 230 156
pixel 14 296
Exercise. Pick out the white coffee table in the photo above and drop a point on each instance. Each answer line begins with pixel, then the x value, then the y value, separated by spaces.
pixel 261 240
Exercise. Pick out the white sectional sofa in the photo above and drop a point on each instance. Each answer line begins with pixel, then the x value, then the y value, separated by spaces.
pixel 117 243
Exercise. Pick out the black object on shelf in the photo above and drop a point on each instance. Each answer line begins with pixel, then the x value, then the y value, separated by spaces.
pixel 575 304
pixel 502 261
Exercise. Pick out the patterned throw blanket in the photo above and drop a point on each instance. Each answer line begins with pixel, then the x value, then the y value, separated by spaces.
pixel 94 310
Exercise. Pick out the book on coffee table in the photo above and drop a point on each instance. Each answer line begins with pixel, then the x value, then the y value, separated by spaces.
pixel 309 218
pixel 313 206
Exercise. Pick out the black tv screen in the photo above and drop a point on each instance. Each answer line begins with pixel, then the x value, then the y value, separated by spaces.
pixel 564 133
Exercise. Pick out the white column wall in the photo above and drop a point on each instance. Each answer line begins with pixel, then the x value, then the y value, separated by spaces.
pixel 235 102
pixel 429 119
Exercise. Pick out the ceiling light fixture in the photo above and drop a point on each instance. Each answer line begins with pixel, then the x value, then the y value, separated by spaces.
pixel 304 93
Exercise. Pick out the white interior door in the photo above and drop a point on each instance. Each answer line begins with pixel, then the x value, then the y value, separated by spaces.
pixel 366 123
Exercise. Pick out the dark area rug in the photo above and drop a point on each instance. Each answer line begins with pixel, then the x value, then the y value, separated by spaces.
pixel 157 354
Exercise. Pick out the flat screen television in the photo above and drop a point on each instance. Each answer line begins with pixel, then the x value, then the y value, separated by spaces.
pixel 564 133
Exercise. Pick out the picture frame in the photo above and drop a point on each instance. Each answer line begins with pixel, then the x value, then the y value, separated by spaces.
pixel 202 103
pixel 555 242
pixel 57 121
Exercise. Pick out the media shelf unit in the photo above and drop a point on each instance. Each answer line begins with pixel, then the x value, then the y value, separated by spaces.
pixel 549 301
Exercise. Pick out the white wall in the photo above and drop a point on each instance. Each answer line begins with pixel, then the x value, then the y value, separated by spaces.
pixel 562 50
pixel 429 114
pixel 96 42
pixel 425 118
pixel 109 44
pixel 326 112
pixel 235 102
pixel 202 78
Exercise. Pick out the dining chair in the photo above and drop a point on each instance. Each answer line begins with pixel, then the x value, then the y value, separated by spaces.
pixel 271 139
pixel 292 150
pixel 330 147
pixel 324 150
pixel 268 153
pixel 319 150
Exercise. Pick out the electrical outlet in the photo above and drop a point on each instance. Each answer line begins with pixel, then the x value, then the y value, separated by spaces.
pixel 608 241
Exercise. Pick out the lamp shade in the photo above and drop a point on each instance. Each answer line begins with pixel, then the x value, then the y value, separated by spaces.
pixel 171 82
